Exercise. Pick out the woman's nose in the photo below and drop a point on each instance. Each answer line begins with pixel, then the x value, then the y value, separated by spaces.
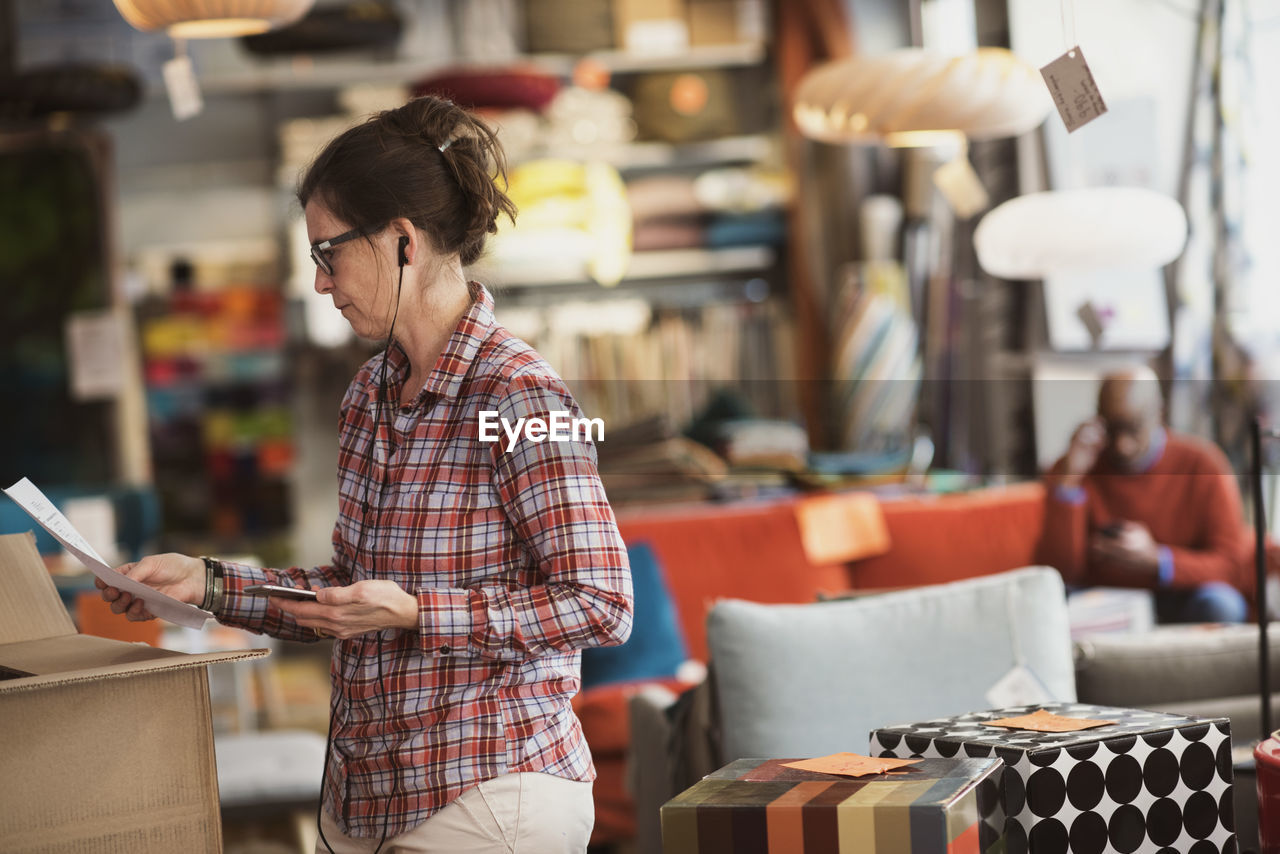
pixel 324 283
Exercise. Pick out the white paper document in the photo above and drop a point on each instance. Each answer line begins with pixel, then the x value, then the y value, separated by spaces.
pixel 40 508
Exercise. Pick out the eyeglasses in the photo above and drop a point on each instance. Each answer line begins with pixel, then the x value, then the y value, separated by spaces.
pixel 322 252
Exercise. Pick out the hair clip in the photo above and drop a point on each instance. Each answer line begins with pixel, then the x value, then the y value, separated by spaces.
pixel 442 146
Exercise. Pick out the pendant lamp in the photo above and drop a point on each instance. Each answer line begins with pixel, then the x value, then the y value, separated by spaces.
pixel 1078 231
pixel 195 19
pixel 915 97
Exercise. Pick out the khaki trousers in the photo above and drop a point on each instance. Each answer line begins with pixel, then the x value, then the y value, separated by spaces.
pixel 530 813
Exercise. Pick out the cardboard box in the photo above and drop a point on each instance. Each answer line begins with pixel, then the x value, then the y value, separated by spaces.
pixel 654 27
pixel 939 806
pixel 713 22
pixel 1149 782
pixel 568 26
pixel 106 746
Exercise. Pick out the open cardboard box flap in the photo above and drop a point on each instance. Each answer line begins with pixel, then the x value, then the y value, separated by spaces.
pixel 106 746
pixel 39 646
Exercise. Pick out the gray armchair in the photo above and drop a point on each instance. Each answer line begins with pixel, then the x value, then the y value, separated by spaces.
pixel 807 680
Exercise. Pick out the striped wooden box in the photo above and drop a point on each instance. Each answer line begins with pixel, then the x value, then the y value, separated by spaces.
pixel 938 806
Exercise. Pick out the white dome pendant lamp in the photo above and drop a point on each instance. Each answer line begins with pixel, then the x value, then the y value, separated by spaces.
pixel 1061 232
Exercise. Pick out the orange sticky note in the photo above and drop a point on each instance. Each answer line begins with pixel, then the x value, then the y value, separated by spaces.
pixel 1042 721
pixel 841 527
pixel 849 764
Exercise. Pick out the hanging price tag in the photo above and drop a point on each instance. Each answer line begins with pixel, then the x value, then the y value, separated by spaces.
pixel 961 187
pixel 184 89
pixel 1074 92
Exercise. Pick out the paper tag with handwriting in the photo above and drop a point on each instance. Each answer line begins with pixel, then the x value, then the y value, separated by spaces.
pixel 1074 92
pixel 1045 721
pixel 850 764
pixel 183 88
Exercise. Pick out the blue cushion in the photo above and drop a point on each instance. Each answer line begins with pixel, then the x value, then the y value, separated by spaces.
pixel 656 646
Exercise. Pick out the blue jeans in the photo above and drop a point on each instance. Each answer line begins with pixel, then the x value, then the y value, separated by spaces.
pixel 1215 602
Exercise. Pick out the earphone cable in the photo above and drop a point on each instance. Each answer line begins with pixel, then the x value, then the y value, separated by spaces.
pixel 368 461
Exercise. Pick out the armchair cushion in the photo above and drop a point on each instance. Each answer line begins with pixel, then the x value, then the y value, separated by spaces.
pixel 1173 664
pixel 806 680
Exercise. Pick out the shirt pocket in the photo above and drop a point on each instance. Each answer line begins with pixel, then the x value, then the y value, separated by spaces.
pixel 455 536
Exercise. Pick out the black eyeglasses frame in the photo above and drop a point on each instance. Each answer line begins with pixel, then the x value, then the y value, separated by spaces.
pixel 319 250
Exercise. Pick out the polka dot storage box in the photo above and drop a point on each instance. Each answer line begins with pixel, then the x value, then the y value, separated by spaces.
pixel 1149 782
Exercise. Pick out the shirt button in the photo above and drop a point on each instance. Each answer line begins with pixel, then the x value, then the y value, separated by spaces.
pixel 446 649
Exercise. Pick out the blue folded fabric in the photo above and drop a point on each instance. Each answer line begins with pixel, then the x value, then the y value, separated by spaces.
pixel 760 227
pixel 656 646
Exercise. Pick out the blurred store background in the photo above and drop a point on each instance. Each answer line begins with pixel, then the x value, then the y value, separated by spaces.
pixel 752 312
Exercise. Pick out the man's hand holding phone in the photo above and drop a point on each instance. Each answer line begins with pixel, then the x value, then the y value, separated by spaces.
pixel 1127 546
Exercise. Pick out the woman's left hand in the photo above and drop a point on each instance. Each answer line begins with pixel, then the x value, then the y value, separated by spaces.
pixel 346 612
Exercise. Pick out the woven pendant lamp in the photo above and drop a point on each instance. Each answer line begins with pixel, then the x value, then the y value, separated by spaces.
pixel 195 19
pixel 915 97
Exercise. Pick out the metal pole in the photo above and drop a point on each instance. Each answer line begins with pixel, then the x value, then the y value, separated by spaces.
pixel 1260 570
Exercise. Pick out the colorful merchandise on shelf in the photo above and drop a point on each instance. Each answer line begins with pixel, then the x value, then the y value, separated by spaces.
pixel 221 428
pixel 573 216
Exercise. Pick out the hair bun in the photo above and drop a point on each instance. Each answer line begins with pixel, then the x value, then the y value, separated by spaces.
pixel 377 171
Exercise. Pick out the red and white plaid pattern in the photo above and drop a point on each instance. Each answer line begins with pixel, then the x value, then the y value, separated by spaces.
pixel 517 564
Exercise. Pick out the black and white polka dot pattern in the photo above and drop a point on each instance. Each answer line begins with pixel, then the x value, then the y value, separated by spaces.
pixel 1151 782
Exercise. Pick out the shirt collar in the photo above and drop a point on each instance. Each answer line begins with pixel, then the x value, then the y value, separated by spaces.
pixel 1155 450
pixel 446 378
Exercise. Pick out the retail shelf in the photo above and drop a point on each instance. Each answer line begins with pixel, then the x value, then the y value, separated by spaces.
pixel 639 156
pixel 303 72
pixel 622 62
pixel 695 262
pixel 650 266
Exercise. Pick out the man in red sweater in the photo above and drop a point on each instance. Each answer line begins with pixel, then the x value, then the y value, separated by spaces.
pixel 1134 505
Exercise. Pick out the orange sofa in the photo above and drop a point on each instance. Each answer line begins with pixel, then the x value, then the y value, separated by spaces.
pixel 753 551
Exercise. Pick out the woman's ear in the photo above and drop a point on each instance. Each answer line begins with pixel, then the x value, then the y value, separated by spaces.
pixel 407 241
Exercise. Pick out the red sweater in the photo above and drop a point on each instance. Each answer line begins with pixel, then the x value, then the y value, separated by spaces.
pixel 1189 501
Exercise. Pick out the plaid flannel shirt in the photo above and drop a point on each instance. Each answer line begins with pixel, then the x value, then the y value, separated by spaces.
pixel 516 562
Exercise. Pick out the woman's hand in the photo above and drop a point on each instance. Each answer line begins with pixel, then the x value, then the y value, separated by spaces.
pixel 347 612
pixel 174 575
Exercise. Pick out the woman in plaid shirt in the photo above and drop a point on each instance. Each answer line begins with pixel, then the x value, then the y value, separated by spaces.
pixel 466 574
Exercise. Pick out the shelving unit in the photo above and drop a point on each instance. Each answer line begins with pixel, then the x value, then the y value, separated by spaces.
pixel 654 266
pixel 646 156
pixel 298 74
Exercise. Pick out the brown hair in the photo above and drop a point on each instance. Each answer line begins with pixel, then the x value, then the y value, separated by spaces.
pixel 391 165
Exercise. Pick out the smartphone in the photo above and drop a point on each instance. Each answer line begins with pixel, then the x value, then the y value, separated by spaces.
pixel 283 592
